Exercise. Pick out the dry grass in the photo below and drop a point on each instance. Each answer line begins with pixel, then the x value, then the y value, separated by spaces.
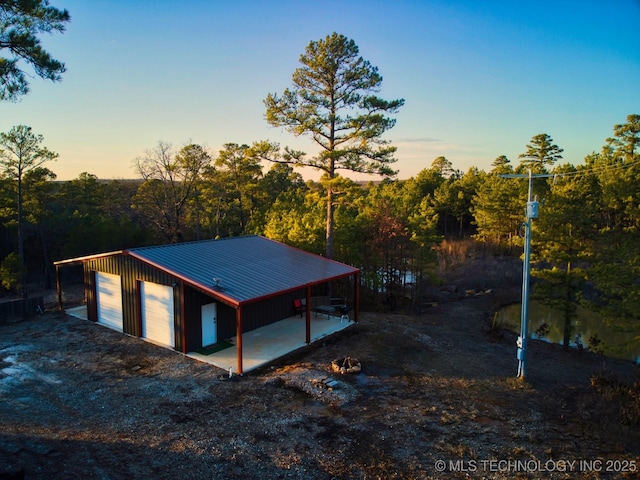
pixel 622 395
pixel 92 403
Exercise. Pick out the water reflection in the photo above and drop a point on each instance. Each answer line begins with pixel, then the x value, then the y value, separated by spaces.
pixel 616 341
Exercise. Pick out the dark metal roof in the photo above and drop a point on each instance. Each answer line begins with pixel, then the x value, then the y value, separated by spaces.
pixel 247 268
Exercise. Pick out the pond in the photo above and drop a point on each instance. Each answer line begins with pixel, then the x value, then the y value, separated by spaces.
pixel 617 341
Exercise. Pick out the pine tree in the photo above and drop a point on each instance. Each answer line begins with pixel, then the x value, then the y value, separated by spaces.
pixel 333 101
pixel 541 153
pixel 21 21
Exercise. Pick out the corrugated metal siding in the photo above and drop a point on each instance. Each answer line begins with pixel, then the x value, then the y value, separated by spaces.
pixel 226 322
pixel 131 271
pixel 254 315
pixel 270 310
pixel 194 300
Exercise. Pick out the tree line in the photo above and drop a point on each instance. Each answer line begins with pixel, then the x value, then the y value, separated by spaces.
pixel 585 243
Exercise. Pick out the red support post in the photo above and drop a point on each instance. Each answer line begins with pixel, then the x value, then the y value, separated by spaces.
pixel 356 293
pixel 308 316
pixel 239 338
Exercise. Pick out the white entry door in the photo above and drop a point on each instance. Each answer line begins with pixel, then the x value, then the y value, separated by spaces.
pixel 209 324
pixel 158 322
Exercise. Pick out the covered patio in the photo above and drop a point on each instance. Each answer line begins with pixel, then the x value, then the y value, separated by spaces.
pixel 264 345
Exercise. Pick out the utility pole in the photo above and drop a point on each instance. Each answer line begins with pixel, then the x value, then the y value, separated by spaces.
pixel 531 213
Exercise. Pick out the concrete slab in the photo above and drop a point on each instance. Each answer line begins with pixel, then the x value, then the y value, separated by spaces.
pixel 79 312
pixel 263 345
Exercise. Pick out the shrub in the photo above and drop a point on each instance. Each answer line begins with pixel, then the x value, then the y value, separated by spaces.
pixel 10 272
pixel 623 395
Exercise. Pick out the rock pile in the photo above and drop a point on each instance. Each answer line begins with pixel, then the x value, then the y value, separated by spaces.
pixel 346 365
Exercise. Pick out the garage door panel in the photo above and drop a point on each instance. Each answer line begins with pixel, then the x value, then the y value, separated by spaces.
pixel 157 313
pixel 109 300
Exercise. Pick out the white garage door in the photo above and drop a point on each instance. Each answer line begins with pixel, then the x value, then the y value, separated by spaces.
pixel 157 313
pixel 109 300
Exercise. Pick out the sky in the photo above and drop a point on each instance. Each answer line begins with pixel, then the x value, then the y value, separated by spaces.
pixel 479 79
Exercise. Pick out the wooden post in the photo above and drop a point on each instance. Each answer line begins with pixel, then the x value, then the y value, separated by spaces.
pixel 59 288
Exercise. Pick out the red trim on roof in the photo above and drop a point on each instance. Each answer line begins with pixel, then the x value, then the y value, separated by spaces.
pixel 211 291
pixel 215 292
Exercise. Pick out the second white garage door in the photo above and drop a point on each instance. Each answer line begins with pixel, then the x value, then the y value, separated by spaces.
pixel 158 322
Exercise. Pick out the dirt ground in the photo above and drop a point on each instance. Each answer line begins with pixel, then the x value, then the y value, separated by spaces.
pixel 437 398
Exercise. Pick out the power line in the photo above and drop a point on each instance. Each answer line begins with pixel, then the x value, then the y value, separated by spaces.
pixel 593 170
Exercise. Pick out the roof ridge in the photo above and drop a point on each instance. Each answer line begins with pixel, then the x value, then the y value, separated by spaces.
pixel 191 242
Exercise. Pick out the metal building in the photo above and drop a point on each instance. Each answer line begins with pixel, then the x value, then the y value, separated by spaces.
pixel 190 295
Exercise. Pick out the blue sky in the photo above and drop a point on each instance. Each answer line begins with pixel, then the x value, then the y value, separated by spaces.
pixel 479 78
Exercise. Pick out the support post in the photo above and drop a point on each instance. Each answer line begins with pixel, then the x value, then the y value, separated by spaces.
pixel 239 338
pixel 59 288
pixel 356 296
pixel 308 315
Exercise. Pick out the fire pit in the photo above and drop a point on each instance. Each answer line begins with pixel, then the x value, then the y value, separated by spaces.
pixel 346 365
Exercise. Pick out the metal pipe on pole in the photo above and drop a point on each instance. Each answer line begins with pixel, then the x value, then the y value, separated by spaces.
pixel 524 313
pixel 531 213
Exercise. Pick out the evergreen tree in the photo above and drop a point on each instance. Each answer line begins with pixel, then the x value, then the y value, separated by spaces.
pixel 562 239
pixel 501 165
pixel 279 181
pixel 626 139
pixel 444 167
pixel 333 101
pixel 21 21
pixel 20 153
pixel 39 199
pixel 454 197
pixel 615 270
pixel 239 171
pixel 297 220
pixel 541 153
pixel 497 207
